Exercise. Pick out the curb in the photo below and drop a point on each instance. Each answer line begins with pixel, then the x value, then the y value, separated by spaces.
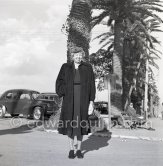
pixel 51 131
pixel 120 136
pixel 137 138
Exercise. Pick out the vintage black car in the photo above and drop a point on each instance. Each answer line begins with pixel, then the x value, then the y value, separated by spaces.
pixel 51 97
pixel 101 106
pixel 29 103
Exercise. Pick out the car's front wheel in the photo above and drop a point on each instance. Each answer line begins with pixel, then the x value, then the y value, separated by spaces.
pixel 2 111
pixel 37 113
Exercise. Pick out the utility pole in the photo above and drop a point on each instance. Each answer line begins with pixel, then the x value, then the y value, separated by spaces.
pixel 146 81
pixel 151 102
pixel 109 83
pixel 109 104
pixel 146 90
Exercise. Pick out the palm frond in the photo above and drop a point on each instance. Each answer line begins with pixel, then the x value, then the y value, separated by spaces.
pixel 104 38
pixel 157 30
pixel 148 2
pixel 145 31
pixel 110 43
pixel 152 63
pixel 97 19
pixel 146 11
pixel 103 34
pixel 154 53
pixel 154 40
pixel 110 20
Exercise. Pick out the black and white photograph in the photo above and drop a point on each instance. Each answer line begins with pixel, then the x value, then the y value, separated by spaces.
pixel 81 82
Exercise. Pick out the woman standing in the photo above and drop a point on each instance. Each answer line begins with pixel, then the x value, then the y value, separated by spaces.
pixel 76 84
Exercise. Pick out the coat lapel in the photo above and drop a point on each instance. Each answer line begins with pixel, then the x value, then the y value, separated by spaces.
pixel 71 72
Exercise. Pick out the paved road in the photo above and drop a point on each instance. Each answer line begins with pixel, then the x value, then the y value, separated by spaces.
pixel 24 146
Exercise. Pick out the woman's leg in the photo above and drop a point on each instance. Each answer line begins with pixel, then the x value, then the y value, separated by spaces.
pixel 71 154
pixel 79 141
pixel 71 142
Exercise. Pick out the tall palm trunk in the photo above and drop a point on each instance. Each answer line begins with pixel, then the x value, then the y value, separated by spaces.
pixel 132 80
pixel 127 72
pixel 79 27
pixel 116 96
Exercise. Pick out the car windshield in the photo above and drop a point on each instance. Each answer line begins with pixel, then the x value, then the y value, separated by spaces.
pixel 53 97
pixel 46 97
pixel 35 95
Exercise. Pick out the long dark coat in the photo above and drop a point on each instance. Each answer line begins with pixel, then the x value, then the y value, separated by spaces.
pixel 64 88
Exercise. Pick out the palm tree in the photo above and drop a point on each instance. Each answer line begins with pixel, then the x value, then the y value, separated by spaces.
pixel 142 51
pixel 125 15
pixel 78 26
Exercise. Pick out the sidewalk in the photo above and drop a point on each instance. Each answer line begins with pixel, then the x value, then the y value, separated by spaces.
pixel 139 133
pixel 142 133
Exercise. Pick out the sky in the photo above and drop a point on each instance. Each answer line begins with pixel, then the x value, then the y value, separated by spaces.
pixel 32 46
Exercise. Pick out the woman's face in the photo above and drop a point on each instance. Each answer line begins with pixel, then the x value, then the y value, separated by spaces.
pixel 77 57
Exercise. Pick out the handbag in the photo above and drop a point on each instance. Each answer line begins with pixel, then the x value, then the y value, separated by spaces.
pixel 93 120
pixel 93 116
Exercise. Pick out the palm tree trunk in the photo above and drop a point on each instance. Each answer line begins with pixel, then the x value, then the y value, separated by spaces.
pixel 133 84
pixel 127 72
pixel 79 27
pixel 116 96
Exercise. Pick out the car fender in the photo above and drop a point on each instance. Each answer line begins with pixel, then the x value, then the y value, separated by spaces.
pixel 3 108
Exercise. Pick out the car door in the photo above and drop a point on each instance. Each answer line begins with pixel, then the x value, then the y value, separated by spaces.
pixel 10 101
pixel 25 102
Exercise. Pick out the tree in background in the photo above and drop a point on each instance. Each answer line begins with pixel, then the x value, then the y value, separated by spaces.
pixel 102 64
pixel 127 20
pixel 125 16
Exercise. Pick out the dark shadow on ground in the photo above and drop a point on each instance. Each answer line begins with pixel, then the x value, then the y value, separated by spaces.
pixel 19 130
pixel 0 155
pixel 146 128
pixel 10 117
pixel 6 118
pixel 95 143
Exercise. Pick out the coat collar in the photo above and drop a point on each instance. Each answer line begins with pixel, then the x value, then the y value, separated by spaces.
pixel 82 63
